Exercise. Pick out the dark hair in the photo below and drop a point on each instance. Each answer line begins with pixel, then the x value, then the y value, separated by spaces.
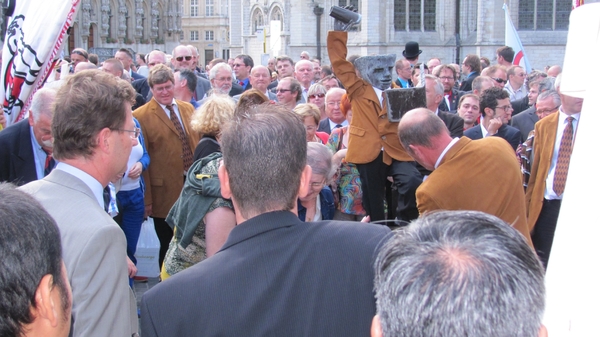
pixel 459 273
pixel 248 61
pixel 295 86
pixel 126 51
pixel 507 53
pixel 326 70
pixel 473 62
pixel 93 58
pixel 190 77
pixel 284 58
pixel 489 98
pixel 30 249
pixel 264 151
pixel 88 102
pixel 439 69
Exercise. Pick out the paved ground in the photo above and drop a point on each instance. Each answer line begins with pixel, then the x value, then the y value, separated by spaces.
pixel 141 287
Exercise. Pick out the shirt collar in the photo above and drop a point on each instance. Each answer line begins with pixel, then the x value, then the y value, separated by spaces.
pixel 448 147
pixel 87 179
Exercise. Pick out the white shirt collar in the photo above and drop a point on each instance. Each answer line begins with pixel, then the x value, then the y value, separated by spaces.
pixel 87 179
pixel 379 94
pixel 452 142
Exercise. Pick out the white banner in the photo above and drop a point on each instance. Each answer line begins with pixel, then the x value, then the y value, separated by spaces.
pixel 511 39
pixel 34 35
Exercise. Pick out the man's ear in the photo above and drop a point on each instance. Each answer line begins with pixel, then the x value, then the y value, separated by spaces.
pixel 305 181
pixel 487 111
pixel 46 308
pixel 376 327
pixel 224 180
pixel 543 331
pixel 103 140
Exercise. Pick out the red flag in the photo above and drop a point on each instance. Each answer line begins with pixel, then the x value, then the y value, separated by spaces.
pixel 577 3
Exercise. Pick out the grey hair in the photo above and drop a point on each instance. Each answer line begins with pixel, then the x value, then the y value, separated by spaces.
pixel 550 93
pixel 333 91
pixel 317 88
pixel 43 102
pixel 557 82
pixel 264 152
pixel 459 273
pixel 302 62
pixel 318 157
pixel 548 83
pixel 438 87
pixel 216 68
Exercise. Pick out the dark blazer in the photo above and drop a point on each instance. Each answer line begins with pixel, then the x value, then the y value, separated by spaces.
pixel 141 87
pixel 274 276
pixel 136 76
pixel 456 95
pixel 202 87
pixel 453 122
pixel 399 84
pixel 17 163
pixel 327 205
pixel 324 126
pixel 467 84
pixel 236 89
pixel 520 105
pixel 510 134
pixel 525 122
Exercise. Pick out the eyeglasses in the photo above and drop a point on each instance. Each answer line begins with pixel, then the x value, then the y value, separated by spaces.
pixel 316 95
pixel 506 108
pixel 446 78
pixel 135 131
pixel 283 90
pixel 310 127
pixel 499 80
pixel 546 111
pixel 236 65
pixel 226 79
pixel 317 185
pixel 180 58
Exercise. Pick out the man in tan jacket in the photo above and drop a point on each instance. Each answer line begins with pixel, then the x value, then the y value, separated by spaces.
pixel 170 142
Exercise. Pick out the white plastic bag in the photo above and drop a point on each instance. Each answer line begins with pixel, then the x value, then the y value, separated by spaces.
pixel 147 250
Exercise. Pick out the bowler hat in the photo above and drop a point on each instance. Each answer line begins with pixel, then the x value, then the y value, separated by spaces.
pixel 411 50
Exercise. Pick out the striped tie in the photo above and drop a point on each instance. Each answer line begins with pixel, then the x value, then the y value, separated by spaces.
pixel 188 157
pixel 564 156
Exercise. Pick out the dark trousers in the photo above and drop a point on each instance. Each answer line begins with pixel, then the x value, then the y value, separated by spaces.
pixel 165 234
pixel 543 233
pixel 407 179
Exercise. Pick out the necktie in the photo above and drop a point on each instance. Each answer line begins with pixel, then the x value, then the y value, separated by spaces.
pixel 185 145
pixel 564 156
pixel 106 197
pixel 338 126
pixel 49 164
pixel 242 83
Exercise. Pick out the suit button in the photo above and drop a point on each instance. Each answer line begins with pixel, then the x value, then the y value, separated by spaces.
pixel 383 137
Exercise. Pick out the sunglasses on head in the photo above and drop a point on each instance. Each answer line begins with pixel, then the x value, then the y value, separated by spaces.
pixel 180 58
pixel 316 95
pixel 499 80
pixel 79 53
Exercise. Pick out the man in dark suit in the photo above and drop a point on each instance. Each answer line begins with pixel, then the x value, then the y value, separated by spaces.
pixel 471 67
pixel 447 74
pixel 26 147
pixel 547 103
pixel 126 58
pixel 434 91
pixel 242 65
pixel 495 108
pixel 335 116
pixel 275 275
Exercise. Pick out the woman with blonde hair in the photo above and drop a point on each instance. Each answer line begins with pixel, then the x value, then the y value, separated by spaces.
pixel 208 120
pixel 316 95
pixel 310 115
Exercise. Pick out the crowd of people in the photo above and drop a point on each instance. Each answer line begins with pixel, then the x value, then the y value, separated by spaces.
pixel 232 160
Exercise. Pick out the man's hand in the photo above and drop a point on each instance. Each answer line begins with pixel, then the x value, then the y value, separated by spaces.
pixel 148 211
pixel 131 268
pixel 494 125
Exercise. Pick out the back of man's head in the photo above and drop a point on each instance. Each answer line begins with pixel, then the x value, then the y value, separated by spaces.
pixel 459 273
pixel 88 102
pixel 264 153
pixel 31 261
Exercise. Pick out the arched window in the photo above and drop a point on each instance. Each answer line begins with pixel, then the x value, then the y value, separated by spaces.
pixel 257 20
pixel 277 16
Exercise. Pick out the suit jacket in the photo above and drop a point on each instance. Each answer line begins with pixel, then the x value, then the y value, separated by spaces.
pixel 543 149
pixel 525 121
pixel 510 134
pixel 136 76
pixel 236 89
pixel 202 87
pixel 274 276
pixel 370 129
pixel 462 182
pixel 467 84
pixel 453 122
pixel 164 176
pixel 520 105
pixel 399 84
pixel 456 95
pixel 141 87
pixel 17 163
pixel 324 126
pixel 94 251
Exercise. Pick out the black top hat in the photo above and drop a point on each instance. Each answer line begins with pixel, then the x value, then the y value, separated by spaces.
pixel 411 50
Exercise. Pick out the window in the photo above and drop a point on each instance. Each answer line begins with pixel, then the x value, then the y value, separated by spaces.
pixel 414 15
pixel 209 35
pixel 276 16
pixel 257 20
pixel 194 35
pixel 193 7
pixel 544 14
pixel 210 7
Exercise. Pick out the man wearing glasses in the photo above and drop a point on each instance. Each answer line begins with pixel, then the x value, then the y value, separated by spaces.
pixel 447 74
pixel 516 83
pixel 242 65
pixel 498 74
pixel 184 59
pixel 496 111
pixel 289 92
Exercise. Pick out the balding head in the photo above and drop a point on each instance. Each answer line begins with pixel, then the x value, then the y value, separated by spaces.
pixel 84 66
pixel 554 71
